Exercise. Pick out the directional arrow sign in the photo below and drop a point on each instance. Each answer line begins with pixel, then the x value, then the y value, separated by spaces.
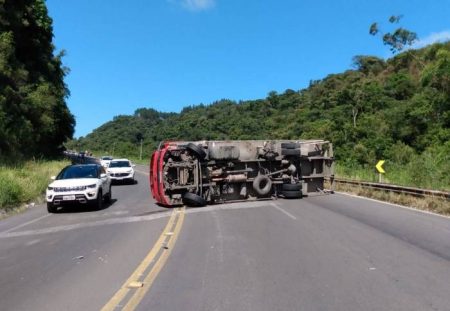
pixel 379 166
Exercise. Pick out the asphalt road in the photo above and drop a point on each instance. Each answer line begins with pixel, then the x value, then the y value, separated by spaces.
pixel 329 252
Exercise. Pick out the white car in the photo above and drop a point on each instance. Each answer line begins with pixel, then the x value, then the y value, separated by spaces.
pixel 81 183
pixel 121 170
pixel 105 160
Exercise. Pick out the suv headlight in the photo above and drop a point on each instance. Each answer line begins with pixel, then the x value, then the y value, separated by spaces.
pixel 91 186
pixel 49 188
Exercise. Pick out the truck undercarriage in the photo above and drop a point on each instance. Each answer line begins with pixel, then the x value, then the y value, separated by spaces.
pixel 206 172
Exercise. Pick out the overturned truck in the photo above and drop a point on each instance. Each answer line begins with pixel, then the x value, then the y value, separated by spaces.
pixel 206 172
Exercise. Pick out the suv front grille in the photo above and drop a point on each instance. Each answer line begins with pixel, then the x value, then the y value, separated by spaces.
pixel 77 197
pixel 67 189
pixel 120 174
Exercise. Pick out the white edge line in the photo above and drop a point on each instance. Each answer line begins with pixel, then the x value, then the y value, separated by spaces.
pixel 283 211
pixel 396 205
pixel 24 224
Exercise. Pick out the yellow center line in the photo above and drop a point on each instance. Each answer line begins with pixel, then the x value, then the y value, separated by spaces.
pixel 150 278
pixel 137 274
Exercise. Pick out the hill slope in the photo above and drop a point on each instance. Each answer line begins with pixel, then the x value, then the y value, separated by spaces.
pixel 398 110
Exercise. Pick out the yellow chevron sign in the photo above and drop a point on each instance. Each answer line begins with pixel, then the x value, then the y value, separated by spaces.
pixel 379 167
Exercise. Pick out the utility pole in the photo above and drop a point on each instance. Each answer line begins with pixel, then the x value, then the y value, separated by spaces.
pixel 140 155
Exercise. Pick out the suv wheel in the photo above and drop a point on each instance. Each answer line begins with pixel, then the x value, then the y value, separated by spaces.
pixel 98 203
pixel 108 196
pixel 51 208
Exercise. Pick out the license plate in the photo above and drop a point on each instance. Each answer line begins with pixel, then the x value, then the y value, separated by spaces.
pixel 68 197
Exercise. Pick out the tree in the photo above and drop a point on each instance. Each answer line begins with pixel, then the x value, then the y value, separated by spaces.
pixel 396 40
pixel 34 117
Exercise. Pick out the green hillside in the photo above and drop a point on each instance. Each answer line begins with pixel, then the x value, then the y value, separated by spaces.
pixel 397 110
pixel 34 118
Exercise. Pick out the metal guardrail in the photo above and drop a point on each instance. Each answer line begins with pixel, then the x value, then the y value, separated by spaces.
pixel 395 188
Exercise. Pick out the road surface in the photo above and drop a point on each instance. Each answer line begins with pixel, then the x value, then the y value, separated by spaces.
pixel 327 252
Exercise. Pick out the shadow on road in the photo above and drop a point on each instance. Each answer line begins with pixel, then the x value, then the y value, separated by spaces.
pixel 83 208
pixel 124 183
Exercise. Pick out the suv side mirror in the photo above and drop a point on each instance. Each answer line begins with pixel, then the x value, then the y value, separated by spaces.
pixel 53 177
pixel 103 175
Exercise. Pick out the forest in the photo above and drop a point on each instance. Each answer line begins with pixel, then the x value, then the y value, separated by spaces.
pixel 34 118
pixel 396 109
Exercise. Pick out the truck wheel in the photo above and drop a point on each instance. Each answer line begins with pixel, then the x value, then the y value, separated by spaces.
pixel 292 194
pixel 291 152
pixel 191 199
pixel 292 187
pixel 262 185
pixel 198 151
pixel 51 208
pixel 290 145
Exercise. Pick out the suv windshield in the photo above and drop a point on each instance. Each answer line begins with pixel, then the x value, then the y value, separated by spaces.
pixel 78 171
pixel 119 164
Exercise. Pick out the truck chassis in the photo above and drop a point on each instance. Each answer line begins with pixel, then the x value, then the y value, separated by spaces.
pixel 197 173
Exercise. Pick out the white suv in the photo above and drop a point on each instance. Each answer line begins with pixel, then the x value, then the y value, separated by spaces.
pixel 81 183
pixel 104 161
pixel 121 170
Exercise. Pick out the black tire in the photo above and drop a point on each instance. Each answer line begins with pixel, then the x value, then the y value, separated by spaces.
pixel 51 208
pixel 98 203
pixel 108 197
pixel 262 185
pixel 198 151
pixel 290 152
pixel 191 199
pixel 290 145
pixel 292 194
pixel 292 187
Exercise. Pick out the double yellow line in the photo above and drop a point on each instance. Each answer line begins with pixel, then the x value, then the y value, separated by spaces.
pixel 140 283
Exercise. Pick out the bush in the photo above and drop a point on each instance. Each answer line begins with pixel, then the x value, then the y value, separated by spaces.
pixel 26 182
pixel 10 191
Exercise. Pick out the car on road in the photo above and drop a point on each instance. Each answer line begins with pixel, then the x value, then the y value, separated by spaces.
pixel 105 160
pixel 121 170
pixel 81 183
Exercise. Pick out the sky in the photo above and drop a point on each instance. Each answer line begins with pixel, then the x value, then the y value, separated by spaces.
pixel 168 54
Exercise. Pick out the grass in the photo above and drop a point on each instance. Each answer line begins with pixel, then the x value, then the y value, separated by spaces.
pixel 432 204
pixel 26 182
pixel 139 161
pixel 420 175
pixel 424 172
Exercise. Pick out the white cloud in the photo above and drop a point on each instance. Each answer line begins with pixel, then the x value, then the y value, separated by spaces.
pixel 432 38
pixel 195 5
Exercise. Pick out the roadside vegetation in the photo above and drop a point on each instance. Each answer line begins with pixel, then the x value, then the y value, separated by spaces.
pixel 428 170
pixel 26 182
pixel 437 205
pixel 34 118
pixel 397 110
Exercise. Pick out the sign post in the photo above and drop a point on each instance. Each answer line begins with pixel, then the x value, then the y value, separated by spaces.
pixel 380 170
